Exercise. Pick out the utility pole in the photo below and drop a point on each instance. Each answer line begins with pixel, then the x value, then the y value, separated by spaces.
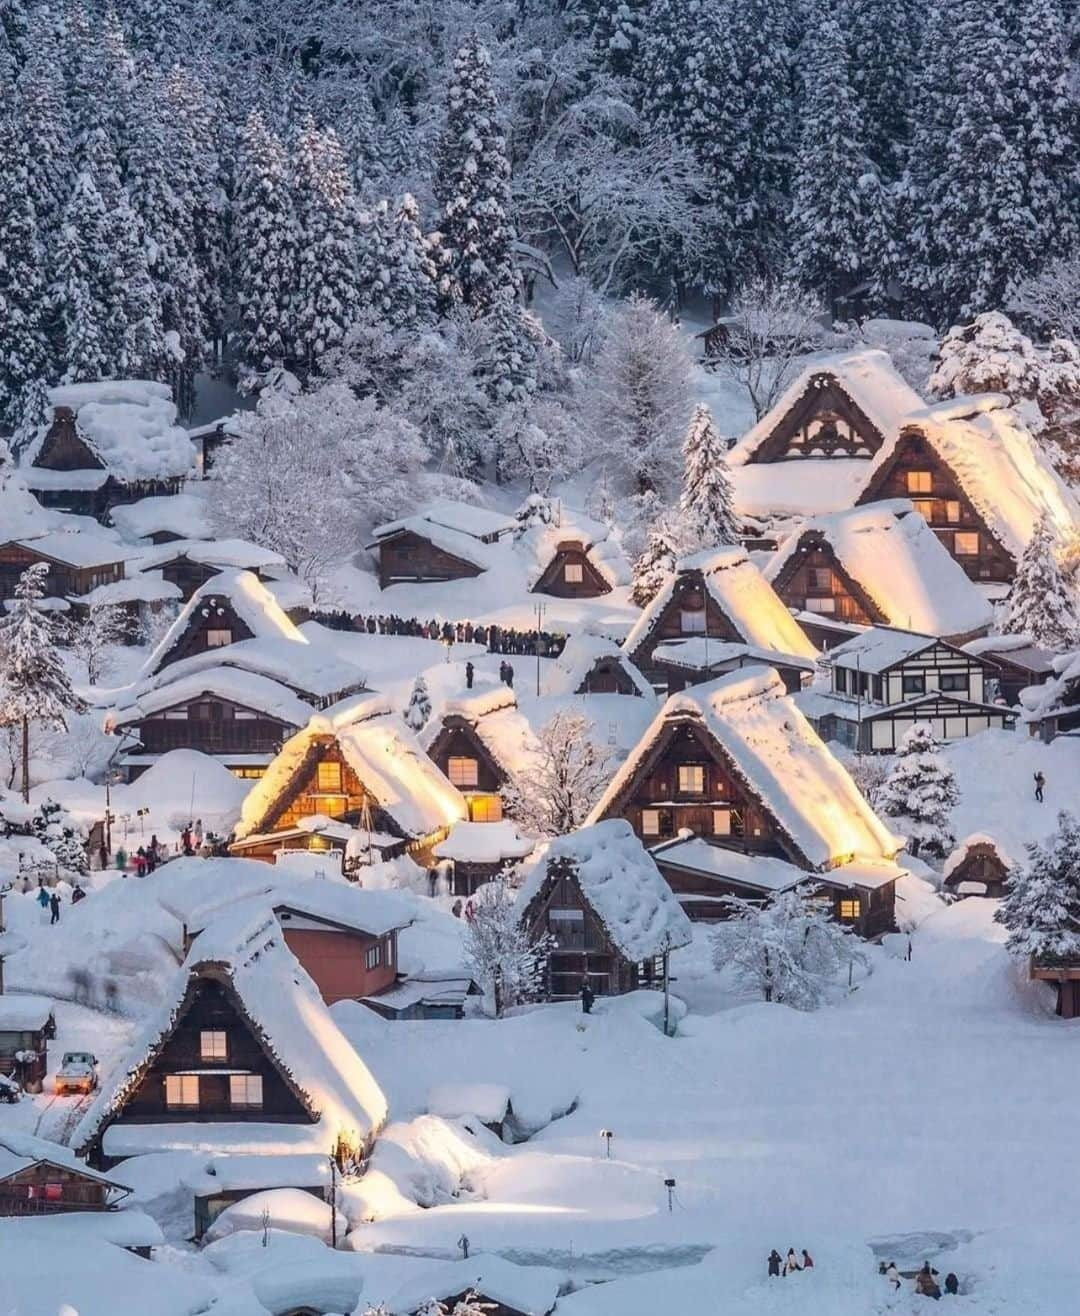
pixel 333 1202
pixel 667 994
pixel 540 609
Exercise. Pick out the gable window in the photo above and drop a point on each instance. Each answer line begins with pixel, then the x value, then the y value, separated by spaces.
pixel 567 926
pixel 218 636
pixel 245 715
pixel 485 808
pixel 176 715
pixel 691 779
pixel 721 822
pixel 850 910
pixel 913 685
pixel 966 543
pixel 182 1091
pixel 920 482
pixel 213 1044
pixel 821 605
pixel 573 574
pixel 819 579
pixel 245 1091
pixel 692 621
pixel 952 511
pixel 328 776
pixel 373 957
pixel 463 771
pixel 656 822
pixel 957 682
pixel 925 508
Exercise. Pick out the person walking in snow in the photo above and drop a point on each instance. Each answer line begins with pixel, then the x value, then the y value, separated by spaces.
pixel 952 1284
pixel 1040 782
pixel 775 1262
pixel 926 1283
pixel 54 906
pixel 42 896
pixel 470 672
pixel 509 676
pixel 78 894
pixel 807 1260
pixel 792 1263
pixel 185 840
pixel 892 1274
pixel 140 862
pixel 588 996
pixel 908 955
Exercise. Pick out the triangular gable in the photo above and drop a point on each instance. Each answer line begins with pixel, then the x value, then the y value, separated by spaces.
pixel 454 728
pixel 65 447
pixel 815 541
pixel 552 581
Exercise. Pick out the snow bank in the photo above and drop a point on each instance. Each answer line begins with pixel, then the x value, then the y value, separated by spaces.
pixel 291 1209
pixel 131 424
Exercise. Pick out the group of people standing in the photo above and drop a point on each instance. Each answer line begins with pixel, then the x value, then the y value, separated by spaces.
pixel 926 1280
pixel 779 1265
pixel 496 639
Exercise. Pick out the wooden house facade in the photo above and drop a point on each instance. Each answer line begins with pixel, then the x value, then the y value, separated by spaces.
pixel 812 580
pixel 461 755
pixel 213 624
pixel 44 1187
pixel 978 866
pixel 66 577
pixel 344 961
pixel 1015 668
pixel 408 555
pixel 571 573
pixel 27 1026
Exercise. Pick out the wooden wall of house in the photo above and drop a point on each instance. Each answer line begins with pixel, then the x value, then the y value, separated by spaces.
pixel 582 950
pixel 722 811
pixel 982 863
pixel 213 725
pixel 679 678
pixel 210 1008
pixel 213 615
pixel 458 740
pixel 45 1189
pixel 337 961
pixel 188 576
pixel 691 611
pixel 607 676
pixel 811 582
pixel 62 579
pixel 918 473
pixel 410 557
pixel 824 422
pixel 571 575
pixel 63 447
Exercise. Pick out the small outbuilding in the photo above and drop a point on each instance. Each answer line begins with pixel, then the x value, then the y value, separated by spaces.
pixel 27 1025
pixel 979 866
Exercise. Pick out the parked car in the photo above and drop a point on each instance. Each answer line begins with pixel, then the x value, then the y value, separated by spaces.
pixel 78 1072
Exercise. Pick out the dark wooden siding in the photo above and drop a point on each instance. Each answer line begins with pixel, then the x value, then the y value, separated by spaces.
pixel 62 579
pixel 45 1189
pixel 554 580
pixel 212 614
pixel 840 428
pixel 214 726
pixel 409 557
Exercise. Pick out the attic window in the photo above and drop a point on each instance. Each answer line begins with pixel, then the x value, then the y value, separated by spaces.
pixel 966 543
pixel 821 605
pixel 213 1044
pixel 462 771
pixel 181 1091
pixel 485 808
pixel 691 779
pixel 952 510
pixel 693 621
pixel 920 482
pixel 328 776
pixel 217 637
pixel 819 579
pixel 573 574
pixel 245 1091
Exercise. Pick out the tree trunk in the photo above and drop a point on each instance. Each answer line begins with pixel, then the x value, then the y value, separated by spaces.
pixel 26 760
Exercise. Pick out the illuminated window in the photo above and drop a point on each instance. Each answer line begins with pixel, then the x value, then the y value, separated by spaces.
pixel 721 822
pixel 849 910
pixel 650 822
pixel 925 508
pixel 182 1091
pixel 693 621
pixel 217 637
pixel 463 771
pixel 952 510
pixel 248 774
pixel 328 776
pixel 920 482
pixel 213 1044
pixel 373 957
pixel 691 778
pixel 573 574
pixel 820 605
pixel 966 543
pixel 333 805
pixel 819 579
pixel 485 808
pixel 245 1091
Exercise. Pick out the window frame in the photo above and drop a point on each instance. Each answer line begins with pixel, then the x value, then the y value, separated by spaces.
pixel 919 481
pixel 216 643
pixel 910 684
pixel 849 909
pixel 573 573
pixel 248 1081
pixel 333 787
pixel 373 957
pixel 690 768
pixel 185 1083
pixel 967 536
pixel 213 1053
pixel 699 618
pixel 460 776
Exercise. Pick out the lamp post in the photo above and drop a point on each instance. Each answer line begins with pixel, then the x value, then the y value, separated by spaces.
pixel 607 1135
pixel 669 1184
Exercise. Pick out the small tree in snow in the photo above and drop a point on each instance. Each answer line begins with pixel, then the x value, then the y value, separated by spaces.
pixel 1041 908
pixel 789 950
pixel 419 709
pixel 706 512
pixel 920 793
pixel 656 564
pixel 1051 298
pixel 506 964
pixel 1042 604
pixel 771 323
pixel 55 828
pixel 554 795
pixel 95 635
pixel 34 686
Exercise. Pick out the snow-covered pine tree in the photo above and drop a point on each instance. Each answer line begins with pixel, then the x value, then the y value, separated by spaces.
pixel 616 28
pixel 418 713
pixel 34 686
pixel 1042 603
pixel 790 950
pixel 706 511
pixel 326 295
pixel 55 828
pixel 656 563
pixel 472 184
pixel 415 272
pixel 34 411
pixel 839 211
pixel 81 274
pixel 1041 908
pixel 883 41
pixel 690 94
pixel 45 129
pixel 920 793
pixel 23 290
pixel 508 967
pixel 265 250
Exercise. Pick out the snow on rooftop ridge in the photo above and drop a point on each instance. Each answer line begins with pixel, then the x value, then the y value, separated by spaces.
pixel 957 856
pixel 181 514
pixel 480 703
pixel 878 648
pixel 458 544
pixel 898 561
pixel 580 655
pixel 530 1290
pixel 468 518
pixel 620 880
pixel 248 689
pixel 238 554
pixel 869 378
pixel 484 843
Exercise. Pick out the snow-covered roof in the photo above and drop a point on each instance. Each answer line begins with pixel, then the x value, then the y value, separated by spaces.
pixel 468 518
pixel 484 843
pixel 384 754
pixel 245 688
pixel 782 761
pixel 246 952
pixel 76 548
pixel 492 712
pixel 24 1014
pixel 741 593
pixel 811 486
pixel 313 669
pixel 180 514
pixel 531 1290
pixel 135 589
pixel 620 880
pixel 957 856
pixel 580 655
pixel 868 377
pixel 539 544
pixel 459 545
pixel 323 899
pixel 1060 692
pixel 489 1102
pixel 890 552
pixel 20 1150
pixel 129 423
pixel 762 872
pixel 222 1174
pixel 252 602
pixel 999 465
pixel 1017 649
pixel 699 653
pixel 238 554
pixel 878 648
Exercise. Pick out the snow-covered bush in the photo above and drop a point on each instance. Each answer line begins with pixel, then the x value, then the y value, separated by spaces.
pixel 419 709
pixel 555 794
pixel 508 966
pixel 55 828
pixel 1042 603
pixel 1041 908
pixel 790 950
pixel 920 793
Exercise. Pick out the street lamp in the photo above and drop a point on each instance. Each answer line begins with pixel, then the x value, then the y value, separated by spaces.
pixel 607 1135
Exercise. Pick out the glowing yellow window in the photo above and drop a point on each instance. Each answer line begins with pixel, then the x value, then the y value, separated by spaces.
pixel 966 543
pixel 691 778
pixel 850 910
pixel 329 776
pixel 485 808
pixel 462 771
pixel 920 482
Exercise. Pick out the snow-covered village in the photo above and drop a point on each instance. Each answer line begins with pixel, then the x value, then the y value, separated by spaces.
pixel 539 657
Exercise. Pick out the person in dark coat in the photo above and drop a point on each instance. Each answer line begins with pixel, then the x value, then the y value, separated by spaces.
pixel 952 1284
pixel 54 906
pixel 502 671
pixel 42 896
pixel 775 1262
pixel 588 996
pixel 510 676
pixel 78 894
pixel 470 672
pixel 807 1260
pixel 185 841
pixel 926 1282
pixel 1040 783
